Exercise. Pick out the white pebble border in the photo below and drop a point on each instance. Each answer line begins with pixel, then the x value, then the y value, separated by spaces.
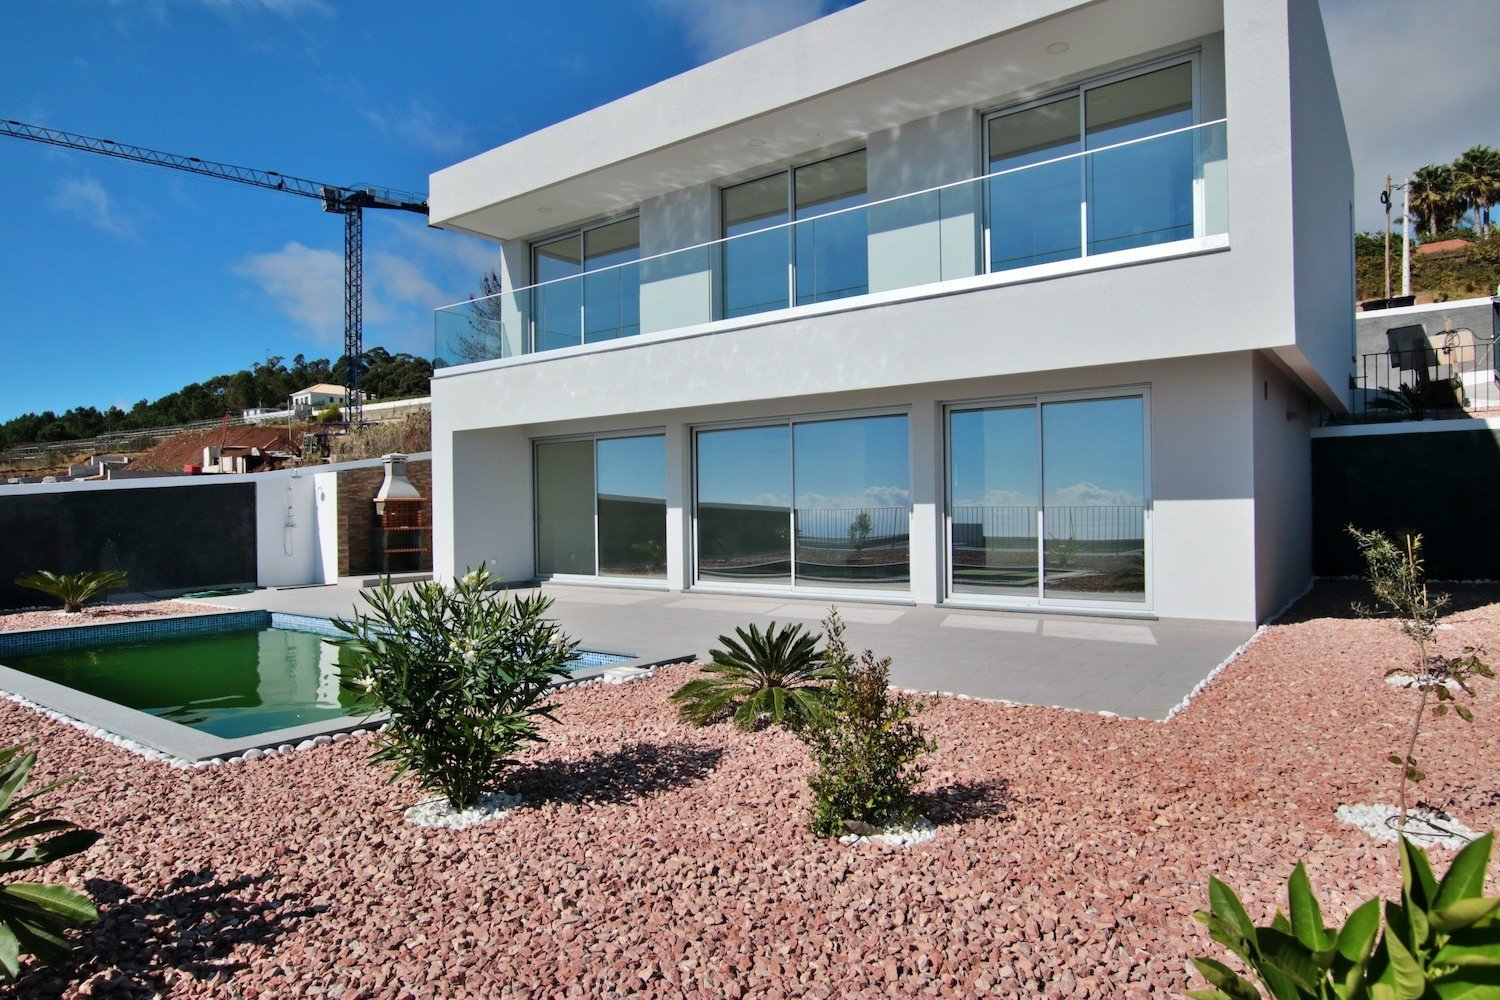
pixel 439 813
pixel 918 831
pixel 1423 826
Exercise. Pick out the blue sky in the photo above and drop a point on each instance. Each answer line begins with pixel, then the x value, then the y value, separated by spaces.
pixel 123 281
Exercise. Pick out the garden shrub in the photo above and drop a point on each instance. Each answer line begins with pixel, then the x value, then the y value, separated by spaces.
pixel 464 672
pixel 775 677
pixel 76 589
pixel 865 741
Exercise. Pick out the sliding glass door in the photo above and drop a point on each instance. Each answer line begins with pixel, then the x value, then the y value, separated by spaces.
pixel 1048 501
pixel 601 507
pixel 820 504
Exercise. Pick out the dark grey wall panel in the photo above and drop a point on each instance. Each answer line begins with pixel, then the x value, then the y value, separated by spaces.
pixel 1444 484
pixel 166 538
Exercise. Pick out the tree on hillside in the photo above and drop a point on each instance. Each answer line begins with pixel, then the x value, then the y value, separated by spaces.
pixel 1433 201
pixel 482 336
pixel 1476 179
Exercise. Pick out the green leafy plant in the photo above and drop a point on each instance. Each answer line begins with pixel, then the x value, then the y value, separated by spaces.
pixel 463 672
pixel 34 915
pixel 1441 940
pixel 76 589
pixel 1397 577
pixel 773 677
pixel 1416 400
pixel 865 741
pixel 859 530
pixel 333 413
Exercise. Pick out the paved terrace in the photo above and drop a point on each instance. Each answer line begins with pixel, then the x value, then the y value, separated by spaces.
pixel 1132 668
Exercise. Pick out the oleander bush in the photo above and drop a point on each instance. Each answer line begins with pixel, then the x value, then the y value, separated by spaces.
pixel 74 590
pixel 464 673
pixel 866 743
pixel 34 915
pixel 755 679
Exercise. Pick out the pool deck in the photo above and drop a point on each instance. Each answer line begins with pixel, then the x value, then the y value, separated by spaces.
pixel 1128 667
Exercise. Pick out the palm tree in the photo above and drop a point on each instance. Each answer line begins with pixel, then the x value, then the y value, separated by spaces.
pixel 1433 201
pixel 1476 179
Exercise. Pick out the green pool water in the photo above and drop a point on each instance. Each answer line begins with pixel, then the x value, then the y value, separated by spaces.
pixel 230 685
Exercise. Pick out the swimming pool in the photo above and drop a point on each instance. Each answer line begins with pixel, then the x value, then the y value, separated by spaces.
pixel 232 679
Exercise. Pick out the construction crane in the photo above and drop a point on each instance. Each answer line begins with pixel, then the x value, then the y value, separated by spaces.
pixel 349 201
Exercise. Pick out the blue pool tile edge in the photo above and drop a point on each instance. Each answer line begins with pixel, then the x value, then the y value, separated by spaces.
pixel 66 637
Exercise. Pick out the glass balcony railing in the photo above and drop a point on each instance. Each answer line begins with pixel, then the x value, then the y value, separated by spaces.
pixel 1161 189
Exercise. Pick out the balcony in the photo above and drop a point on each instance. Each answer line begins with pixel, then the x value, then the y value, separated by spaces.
pixel 1110 204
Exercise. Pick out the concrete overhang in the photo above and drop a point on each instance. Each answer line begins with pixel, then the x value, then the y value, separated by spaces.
pixel 870 67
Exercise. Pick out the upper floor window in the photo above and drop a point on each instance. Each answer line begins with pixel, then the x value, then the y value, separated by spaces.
pixel 783 247
pixel 586 285
pixel 1114 197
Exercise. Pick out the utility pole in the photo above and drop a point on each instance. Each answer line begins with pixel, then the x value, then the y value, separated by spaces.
pixel 1385 200
pixel 1406 237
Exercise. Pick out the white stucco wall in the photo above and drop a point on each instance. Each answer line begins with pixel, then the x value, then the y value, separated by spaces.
pixel 1283 421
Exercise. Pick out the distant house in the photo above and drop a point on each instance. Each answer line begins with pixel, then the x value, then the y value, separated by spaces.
pixel 315 397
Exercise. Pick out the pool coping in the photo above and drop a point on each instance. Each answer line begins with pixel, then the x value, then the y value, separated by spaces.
pixel 190 746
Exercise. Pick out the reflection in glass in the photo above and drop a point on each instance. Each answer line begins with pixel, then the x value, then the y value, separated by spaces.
pixel 612 294
pixel 853 515
pixel 756 266
pixel 1034 214
pixel 556 307
pixel 1094 477
pixel 831 253
pixel 632 476
pixel 565 507
pixel 744 501
pixel 994 490
pixel 1141 194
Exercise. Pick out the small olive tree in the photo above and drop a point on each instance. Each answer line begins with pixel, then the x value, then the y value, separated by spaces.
pixel 464 673
pixel 1398 580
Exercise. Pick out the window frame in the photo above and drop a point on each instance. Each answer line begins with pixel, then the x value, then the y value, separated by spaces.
pixel 721 310
pixel 1191 57
pixel 579 231
pixel 657 582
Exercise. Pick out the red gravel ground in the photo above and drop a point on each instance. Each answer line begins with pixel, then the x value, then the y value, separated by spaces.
pixel 657 860
pixel 100 614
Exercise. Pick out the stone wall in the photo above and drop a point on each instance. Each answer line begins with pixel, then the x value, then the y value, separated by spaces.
pixel 356 514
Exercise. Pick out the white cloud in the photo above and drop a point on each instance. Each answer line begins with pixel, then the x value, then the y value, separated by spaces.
pixel 87 199
pixel 1091 495
pixel 402 279
pixel 873 496
pixel 280 8
pixel 420 126
pixel 305 283
pixel 1417 83
pixel 718 27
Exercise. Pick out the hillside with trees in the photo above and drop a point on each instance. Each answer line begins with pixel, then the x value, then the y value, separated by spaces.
pixel 1449 201
pixel 265 384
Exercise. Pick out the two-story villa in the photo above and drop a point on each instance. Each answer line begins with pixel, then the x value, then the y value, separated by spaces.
pixel 1013 305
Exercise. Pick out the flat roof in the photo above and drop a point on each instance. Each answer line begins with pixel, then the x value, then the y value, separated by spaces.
pixel 873 66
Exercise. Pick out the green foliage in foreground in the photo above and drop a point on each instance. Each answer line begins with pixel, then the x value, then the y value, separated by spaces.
pixel 865 741
pixel 464 673
pixel 1441 940
pixel 772 677
pixel 76 589
pixel 33 915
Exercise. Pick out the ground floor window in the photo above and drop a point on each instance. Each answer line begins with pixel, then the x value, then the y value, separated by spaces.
pixel 601 507
pixel 1047 500
pixel 823 504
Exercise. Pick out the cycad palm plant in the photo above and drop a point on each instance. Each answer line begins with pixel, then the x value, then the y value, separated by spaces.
pixel 771 677
pixel 76 589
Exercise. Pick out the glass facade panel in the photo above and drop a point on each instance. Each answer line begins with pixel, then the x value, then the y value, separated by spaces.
pixel 557 307
pixel 756 265
pixel 994 491
pixel 1141 194
pixel 1094 486
pixel 744 505
pixel 565 507
pixel 853 514
pixel 1034 214
pixel 612 282
pixel 832 258
pixel 632 505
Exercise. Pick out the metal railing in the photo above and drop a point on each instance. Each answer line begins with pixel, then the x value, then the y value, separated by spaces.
pixel 976 525
pixel 1447 378
pixel 1153 190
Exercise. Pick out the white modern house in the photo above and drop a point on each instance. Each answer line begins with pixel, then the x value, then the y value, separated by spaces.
pixel 1024 305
